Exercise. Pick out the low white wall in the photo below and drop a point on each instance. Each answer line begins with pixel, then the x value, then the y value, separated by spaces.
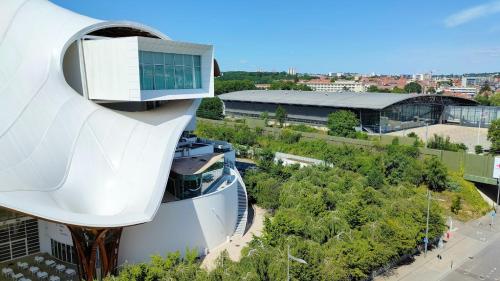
pixel 201 222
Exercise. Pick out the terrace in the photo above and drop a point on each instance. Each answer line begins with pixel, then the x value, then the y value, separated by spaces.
pixel 39 266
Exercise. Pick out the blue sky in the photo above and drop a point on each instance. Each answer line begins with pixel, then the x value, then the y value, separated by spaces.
pixel 393 36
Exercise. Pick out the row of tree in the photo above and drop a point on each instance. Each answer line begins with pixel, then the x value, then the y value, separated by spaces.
pixel 262 77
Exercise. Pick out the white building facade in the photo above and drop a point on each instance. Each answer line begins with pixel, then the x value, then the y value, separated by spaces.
pixel 337 86
pixel 96 142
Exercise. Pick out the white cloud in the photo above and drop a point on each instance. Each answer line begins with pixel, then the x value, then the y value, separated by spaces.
pixel 472 13
pixel 491 52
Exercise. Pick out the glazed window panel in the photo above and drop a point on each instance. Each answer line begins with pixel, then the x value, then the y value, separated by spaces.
pixel 160 71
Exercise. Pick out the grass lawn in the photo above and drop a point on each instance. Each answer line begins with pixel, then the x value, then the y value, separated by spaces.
pixel 472 205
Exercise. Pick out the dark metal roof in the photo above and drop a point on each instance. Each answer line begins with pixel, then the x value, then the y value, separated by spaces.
pixel 328 99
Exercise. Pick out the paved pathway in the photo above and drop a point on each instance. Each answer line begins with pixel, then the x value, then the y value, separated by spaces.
pixel 234 246
pixel 470 243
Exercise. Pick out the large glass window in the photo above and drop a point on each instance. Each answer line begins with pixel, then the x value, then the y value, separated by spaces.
pixel 160 71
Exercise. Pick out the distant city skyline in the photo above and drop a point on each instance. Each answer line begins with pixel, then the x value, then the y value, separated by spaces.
pixel 385 37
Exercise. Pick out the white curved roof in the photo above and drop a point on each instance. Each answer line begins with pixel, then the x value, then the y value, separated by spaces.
pixel 63 157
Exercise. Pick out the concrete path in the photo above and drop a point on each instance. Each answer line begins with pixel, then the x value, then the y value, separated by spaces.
pixel 235 245
pixel 466 243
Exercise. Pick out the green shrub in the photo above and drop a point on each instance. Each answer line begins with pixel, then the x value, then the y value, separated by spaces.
pixel 412 135
pixel 302 128
pixel 456 204
pixel 440 142
pixel 478 149
pixel 435 174
pixel 289 136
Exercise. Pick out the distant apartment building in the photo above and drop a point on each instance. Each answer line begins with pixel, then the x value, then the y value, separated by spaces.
pixel 262 86
pixel 461 91
pixel 292 71
pixel 477 81
pixel 324 85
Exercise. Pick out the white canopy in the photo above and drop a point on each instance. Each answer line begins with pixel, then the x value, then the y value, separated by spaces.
pixel 63 157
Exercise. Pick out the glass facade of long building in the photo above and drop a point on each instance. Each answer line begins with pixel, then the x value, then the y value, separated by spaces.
pixel 414 112
pixel 166 71
pixel 480 116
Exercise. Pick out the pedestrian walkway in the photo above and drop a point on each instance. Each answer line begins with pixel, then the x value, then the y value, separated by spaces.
pixel 465 242
pixel 234 246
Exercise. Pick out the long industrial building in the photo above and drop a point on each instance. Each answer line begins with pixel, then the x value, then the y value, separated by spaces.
pixel 378 112
pixel 98 163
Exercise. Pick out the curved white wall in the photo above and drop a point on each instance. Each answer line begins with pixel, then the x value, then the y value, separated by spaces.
pixel 64 158
pixel 201 222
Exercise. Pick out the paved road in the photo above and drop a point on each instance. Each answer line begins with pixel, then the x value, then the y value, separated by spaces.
pixel 474 251
pixel 484 265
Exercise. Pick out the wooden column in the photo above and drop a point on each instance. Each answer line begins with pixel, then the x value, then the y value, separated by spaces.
pixel 89 243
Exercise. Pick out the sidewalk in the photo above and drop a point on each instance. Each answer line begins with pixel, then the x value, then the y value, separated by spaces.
pixel 234 246
pixel 466 241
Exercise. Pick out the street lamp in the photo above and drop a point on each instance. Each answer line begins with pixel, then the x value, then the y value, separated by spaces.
pixel 426 239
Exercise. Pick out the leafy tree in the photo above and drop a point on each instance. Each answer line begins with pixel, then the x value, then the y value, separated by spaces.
pixel 373 89
pixel 280 115
pixel 494 136
pixel 261 77
pixel 289 85
pixel 397 90
pixel 431 90
pixel 211 108
pixel 435 174
pixel 413 87
pixel 265 116
pixel 482 99
pixel 495 99
pixel 226 86
pixel 342 123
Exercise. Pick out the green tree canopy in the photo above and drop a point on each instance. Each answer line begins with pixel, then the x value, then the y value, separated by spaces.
pixel 482 99
pixel 397 90
pixel 342 123
pixel 495 99
pixel 211 108
pixel 494 137
pixel 413 87
pixel 226 86
pixel 288 85
pixel 435 174
pixel 280 115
